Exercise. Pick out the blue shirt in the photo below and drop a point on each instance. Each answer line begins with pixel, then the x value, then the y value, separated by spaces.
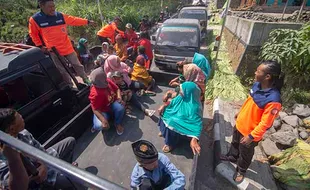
pixel 164 167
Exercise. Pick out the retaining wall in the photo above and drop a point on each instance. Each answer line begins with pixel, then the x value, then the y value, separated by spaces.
pixel 244 39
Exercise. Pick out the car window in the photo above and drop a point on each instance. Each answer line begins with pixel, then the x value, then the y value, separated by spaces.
pixel 18 92
pixel 178 36
pixel 194 14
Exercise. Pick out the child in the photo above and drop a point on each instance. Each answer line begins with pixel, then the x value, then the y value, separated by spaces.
pixel 126 93
pixel 255 116
pixel 141 75
pixel 154 170
pixel 141 51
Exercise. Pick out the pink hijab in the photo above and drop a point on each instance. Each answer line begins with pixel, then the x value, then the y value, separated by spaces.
pixel 113 63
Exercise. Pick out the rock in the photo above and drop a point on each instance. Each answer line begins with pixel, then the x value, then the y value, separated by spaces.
pixel 277 123
pixel 295 131
pixel 304 135
pixel 300 129
pixel 301 110
pixel 287 138
pixel 282 114
pixel 286 127
pixel 292 120
pixel 306 122
pixel 270 147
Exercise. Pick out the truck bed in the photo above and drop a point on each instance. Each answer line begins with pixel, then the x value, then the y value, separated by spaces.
pixel 110 156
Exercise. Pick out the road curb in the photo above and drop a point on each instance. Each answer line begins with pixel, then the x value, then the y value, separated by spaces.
pixel 225 169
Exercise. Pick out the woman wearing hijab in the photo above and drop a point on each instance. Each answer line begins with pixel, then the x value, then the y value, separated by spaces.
pixel 82 50
pixel 106 100
pixel 201 61
pixel 182 116
pixel 113 64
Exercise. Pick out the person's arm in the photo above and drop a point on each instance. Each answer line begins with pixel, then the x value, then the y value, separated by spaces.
pixel 34 32
pixel 102 119
pixel 135 177
pixel 74 21
pixel 177 177
pixel 195 146
pixel 271 112
pixel 122 33
pixel 18 177
pixel 175 80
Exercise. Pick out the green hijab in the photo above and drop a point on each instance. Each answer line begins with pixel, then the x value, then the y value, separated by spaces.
pixel 81 47
pixel 202 62
pixel 184 113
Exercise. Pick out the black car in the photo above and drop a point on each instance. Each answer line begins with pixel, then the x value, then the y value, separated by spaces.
pixel 176 40
pixel 31 84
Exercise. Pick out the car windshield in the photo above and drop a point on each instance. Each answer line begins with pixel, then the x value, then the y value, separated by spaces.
pixel 179 36
pixel 194 14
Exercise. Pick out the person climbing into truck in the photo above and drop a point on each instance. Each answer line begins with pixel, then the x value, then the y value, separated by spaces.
pixel 154 170
pixel 108 32
pixel 255 116
pixel 51 26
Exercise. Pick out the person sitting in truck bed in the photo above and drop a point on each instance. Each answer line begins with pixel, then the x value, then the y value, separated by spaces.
pixel 13 124
pixel 182 117
pixel 141 75
pixel 107 50
pixel 50 27
pixel 113 63
pixel 154 170
pixel 105 99
pixel 120 48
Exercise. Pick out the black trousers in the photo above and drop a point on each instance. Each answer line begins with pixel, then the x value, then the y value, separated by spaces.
pixel 240 153
pixel 103 39
pixel 148 184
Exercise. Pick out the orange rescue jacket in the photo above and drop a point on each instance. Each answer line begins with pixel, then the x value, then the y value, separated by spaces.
pixel 258 112
pixel 109 31
pixel 53 30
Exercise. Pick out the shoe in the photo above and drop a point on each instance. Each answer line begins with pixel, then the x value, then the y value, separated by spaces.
pixel 149 113
pixel 87 81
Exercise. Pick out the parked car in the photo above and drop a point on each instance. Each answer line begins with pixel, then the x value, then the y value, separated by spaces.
pixel 196 12
pixel 176 40
pixel 31 84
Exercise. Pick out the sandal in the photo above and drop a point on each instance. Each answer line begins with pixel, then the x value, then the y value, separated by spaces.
pixel 167 149
pixel 140 93
pixel 149 93
pixel 75 164
pixel 238 176
pixel 160 134
pixel 149 113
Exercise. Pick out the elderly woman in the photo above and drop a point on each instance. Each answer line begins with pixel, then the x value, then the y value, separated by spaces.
pixel 202 62
pixel 106 100
pixel 182 116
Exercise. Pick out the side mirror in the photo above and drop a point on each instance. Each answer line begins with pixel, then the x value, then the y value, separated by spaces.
pixel 153 38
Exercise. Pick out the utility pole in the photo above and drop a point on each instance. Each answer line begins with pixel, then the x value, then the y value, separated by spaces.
pixel 224 21
pixel 301 8
pixel 100 13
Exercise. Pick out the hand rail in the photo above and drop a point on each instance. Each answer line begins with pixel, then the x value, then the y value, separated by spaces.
pixel 75 173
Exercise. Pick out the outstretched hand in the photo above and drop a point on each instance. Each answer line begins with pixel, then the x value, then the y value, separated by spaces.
pixel 195 146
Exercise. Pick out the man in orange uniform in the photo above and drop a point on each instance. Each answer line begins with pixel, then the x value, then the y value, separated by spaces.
pixel 49 28
pixel 109 31
pixel 256 116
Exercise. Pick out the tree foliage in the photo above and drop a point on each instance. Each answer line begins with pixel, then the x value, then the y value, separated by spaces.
pixel 291 48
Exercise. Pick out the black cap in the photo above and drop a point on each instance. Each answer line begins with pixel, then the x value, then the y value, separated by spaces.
pixel 42 1
pixel 144 151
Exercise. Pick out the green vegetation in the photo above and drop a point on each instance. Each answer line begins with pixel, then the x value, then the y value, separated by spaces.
pixel 224 83
pixel 15 15
pixel 291 48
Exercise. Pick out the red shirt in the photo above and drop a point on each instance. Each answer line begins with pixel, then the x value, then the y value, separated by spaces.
pixel 132 39
pixel 148 47
pixel 102 98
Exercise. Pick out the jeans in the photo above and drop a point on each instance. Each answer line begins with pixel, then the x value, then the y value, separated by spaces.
pixel 118 111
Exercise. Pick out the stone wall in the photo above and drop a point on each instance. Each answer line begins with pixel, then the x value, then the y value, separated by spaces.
pixel 244 39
